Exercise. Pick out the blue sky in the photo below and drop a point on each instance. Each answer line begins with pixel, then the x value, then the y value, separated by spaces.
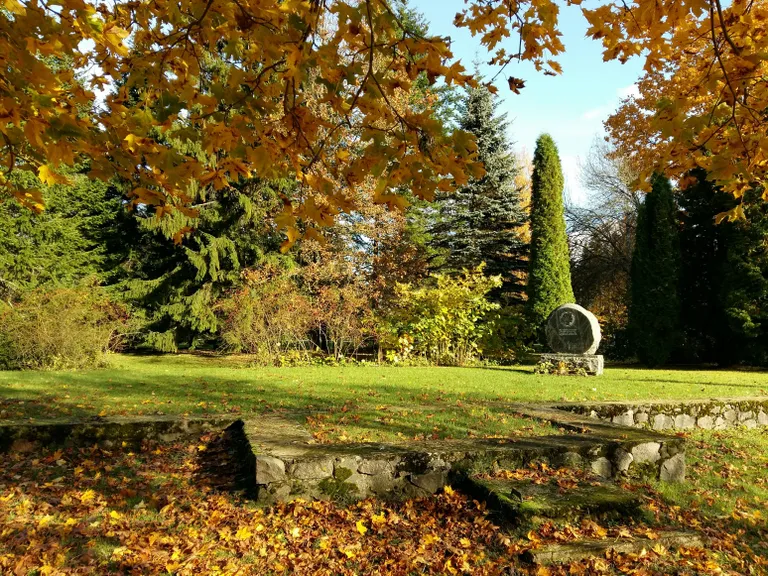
pixel 571 107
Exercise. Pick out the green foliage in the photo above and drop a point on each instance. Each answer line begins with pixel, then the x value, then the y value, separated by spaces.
pixel 704 249
pixel 481 221
pixel 444 320
pixel 509 339
pixel 59 328
pixel 744 285
pixel 73 238
pixel 549 275
pixel 654 312
pixel 177 280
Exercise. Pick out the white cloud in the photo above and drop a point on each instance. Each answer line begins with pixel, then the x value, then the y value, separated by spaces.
pixel 596 113
pixel 627 91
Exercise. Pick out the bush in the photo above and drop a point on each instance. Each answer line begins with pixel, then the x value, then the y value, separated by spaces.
pixel 343 319
pixel 59 329
pixel 444 321
pixel 268 317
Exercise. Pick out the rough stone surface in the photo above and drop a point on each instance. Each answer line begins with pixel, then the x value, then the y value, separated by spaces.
pixel 684 421
pixel 350 463
pixel 602 467
pixel 375 467
pixel 706 422
pixel 673 469
pixel 623 460
pixel 646 452
pixel 431 482
pixel 573 460
pixel 592 364
pixel 572 329
pixel 662 422
pixel 717 414
pixel 747 415
pixel 312 469
pixel 362 482
pixel 269 470
pixel 625 419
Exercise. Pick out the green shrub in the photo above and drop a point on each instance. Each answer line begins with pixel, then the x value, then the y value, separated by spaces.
pixel 267 318
pixel 444 320
pixel 59 329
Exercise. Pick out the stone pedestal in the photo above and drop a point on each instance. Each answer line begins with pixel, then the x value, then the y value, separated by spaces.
pixel 591 363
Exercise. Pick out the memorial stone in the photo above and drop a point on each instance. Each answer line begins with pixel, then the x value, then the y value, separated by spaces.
pixel 573 333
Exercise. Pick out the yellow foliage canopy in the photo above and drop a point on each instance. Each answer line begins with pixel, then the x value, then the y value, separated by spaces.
pixel 313 90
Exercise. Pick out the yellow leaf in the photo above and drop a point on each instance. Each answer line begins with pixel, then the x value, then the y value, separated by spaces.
pixel 243 533
pixel 361 527
pixel 295 532
pixel 449 491
pixel 378 519
pixel 87 496
pixel 114 515
pixel 44 521
pixel 48 176
pixel 14 7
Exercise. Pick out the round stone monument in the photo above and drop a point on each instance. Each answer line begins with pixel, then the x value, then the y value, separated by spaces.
pixel 572 329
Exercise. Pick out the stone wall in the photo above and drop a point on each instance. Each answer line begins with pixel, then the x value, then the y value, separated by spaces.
pixel 105 431
pixel 679 415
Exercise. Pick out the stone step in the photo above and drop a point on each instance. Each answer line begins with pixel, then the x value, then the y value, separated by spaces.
pixel 526 502
pixel 589 548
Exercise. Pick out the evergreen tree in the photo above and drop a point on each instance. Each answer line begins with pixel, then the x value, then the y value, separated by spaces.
pixel 743 295
pixel 176 280
pixel 75 237
pixel 654 312
pixel 549 273
pixel 481 222
pixel 703 263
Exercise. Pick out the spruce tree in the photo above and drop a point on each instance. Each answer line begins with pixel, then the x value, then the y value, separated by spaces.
pixel 482 221
pixel 654 311
pixel 549 273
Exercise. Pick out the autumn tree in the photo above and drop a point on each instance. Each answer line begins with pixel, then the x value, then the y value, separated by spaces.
pixel 654 312
pixel 701 102
pixel 549 275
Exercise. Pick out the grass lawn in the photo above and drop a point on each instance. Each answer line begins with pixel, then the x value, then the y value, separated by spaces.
pixel 347 403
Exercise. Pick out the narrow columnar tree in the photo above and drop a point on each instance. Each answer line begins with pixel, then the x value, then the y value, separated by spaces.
pixel 654 312
pixel 549 274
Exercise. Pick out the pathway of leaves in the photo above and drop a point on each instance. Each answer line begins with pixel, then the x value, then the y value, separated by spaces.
pixel 97 511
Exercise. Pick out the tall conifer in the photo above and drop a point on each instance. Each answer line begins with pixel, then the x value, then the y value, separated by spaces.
pixel 482 221
pixel 549 274
pixel 654 312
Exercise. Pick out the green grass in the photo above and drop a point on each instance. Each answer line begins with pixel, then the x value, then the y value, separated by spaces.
pixel 355 403
pixel 727 486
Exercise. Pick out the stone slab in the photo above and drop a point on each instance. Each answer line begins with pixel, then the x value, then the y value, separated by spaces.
pixel 589 548
pixel 593 364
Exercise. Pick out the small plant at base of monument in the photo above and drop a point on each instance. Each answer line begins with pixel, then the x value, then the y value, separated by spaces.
pixel 560 369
